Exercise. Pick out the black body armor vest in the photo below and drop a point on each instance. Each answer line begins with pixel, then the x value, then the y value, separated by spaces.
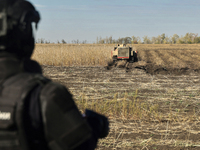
pixel 64 126
pixel 13 93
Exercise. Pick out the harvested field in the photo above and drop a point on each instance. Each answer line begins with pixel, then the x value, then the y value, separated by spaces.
pixel 165 60
pixel 151 104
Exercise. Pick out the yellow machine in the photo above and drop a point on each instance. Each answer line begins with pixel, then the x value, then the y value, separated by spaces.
pixel 123 52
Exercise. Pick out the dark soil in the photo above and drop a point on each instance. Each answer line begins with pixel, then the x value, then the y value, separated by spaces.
pixel 179 62
pixel 154 69
pixel 175 90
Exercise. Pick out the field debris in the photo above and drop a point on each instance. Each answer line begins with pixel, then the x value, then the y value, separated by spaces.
pixel 162 62
pixel 152 111
pixel 151 104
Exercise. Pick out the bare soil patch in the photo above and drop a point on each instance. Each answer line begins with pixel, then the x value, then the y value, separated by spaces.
pixel 176 62
pixel 174 89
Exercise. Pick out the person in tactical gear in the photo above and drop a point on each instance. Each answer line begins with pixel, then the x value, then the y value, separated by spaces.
pixel 36 113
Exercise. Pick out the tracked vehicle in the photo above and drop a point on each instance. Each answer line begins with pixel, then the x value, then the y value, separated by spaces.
pixel 123 52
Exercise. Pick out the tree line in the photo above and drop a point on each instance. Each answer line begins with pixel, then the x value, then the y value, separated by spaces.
pixel 189 38
pixel 43 41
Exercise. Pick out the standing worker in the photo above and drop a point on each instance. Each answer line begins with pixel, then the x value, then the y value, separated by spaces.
pixel 36 113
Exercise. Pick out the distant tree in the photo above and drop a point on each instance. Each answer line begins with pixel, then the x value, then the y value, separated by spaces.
pixel 127 40
pixel 139 40
pixel 47 42
pixel 180 40
pixel 167 40
pixel 158 39
pixel 146 40
pixel 120 40
pixel 75 41
pixel 153 40
pixel 100 40
pixel 174 38
pixel 162 37
pixel 134 40
pixel 110 40
pixel 84 42
pixel 63 41
pixel 197 39
pixel 106 40
pixel 189 38
pixel 41 41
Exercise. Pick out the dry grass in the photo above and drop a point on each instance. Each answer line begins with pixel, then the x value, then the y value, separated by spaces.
pixel 72 55
pixel 99 55
pixel 122 106
pixel 127 106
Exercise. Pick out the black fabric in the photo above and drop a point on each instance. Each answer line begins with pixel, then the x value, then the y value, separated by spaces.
pixel 33 121
pixel 15 90
pixel 3 19
pixel 64 125
pixel 31 66
pixel 92 142
pixel 35 128
pixel 1 24
pixel 15 85
pixel 18 37
pixel 16 9
pixel 2 5
pixel 103 122
pixel 9 65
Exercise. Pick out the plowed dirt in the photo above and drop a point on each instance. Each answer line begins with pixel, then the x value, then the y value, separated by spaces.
pixel 175 89
pixel 176 62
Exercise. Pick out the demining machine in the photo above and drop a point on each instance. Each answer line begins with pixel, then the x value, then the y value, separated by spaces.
pixel 123 52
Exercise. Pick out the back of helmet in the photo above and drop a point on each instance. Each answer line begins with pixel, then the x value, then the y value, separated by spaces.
pixel 16 17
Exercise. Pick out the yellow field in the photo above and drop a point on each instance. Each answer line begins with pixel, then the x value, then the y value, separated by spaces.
pixel 72 55
pixel 94 54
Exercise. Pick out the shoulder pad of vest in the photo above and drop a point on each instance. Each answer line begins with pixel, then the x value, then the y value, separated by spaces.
pixel 59 94
pixel 65 128
pixel 22 83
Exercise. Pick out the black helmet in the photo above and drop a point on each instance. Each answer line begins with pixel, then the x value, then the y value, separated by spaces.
pixel 16 17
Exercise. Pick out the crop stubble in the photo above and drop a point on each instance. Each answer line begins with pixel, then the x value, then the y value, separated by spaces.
pixel 168 77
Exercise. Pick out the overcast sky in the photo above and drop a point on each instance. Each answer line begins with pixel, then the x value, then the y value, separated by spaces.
pixel 89 19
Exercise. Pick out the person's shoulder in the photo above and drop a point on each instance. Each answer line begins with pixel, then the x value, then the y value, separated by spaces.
pixel 52 87
pixel 24 78
pixel 48 86
pixel 53 90
pixel 54 95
